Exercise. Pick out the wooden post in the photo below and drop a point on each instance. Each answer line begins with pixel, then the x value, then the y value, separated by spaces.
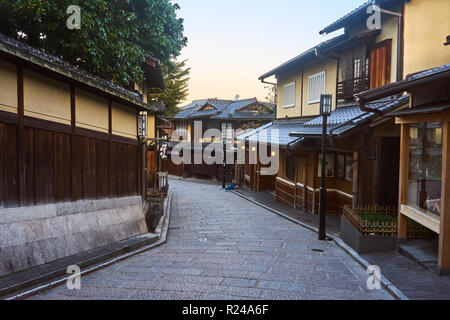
pixel 444 235
pixel 72 141
pixel 355 179
pixel 110 186
pixel 295 182
pixel 316 160
pixel 20 138
pixel 403 180
pixel 304 162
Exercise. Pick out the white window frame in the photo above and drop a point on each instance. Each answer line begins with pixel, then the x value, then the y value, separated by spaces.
pixel 314 91
pixel 291 105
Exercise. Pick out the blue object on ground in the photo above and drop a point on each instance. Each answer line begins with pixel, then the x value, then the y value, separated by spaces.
pixel 229 188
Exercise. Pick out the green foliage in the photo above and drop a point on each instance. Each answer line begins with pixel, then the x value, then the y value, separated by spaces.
pixel 377 218
pixel 176 77
pixel 114 34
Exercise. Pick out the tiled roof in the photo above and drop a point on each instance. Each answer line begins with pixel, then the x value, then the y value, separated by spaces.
pixel 335 24
pixel 358 13
pixel 277 133
pixel 429 72
pixel 194 103
pixel 347 118
pixel 411 81
pixel 223 109
pixel 250 132
pixel 303 57
pixel 50 62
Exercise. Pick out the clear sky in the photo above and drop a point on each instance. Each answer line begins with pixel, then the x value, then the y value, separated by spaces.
pixel 232 42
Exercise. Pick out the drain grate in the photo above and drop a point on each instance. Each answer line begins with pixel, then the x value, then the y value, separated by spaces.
pixel 318 250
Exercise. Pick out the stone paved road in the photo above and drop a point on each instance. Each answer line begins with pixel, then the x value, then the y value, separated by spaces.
pixel 221 246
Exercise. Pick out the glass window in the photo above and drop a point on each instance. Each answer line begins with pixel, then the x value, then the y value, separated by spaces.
pixel 425 167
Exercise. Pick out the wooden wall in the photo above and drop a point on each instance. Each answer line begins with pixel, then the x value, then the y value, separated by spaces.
pixel 50 159
pixel 59 168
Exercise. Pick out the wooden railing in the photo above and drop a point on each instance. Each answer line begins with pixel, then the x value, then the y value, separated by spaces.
pixel 306 198
pixel 384 226
pixel 347 88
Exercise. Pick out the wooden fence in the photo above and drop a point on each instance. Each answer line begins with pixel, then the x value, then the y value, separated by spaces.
pixel 382 227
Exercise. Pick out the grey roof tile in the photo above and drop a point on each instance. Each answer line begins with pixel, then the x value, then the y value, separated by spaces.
pixel 277 133
pixel 223 109
pixel 429 72
pixel 344 119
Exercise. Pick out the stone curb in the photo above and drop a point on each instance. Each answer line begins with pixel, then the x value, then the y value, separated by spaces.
pixel 162 240
pixel 386 283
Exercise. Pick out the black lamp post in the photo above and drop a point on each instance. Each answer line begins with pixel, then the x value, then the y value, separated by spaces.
pixel 224 141
pixel 325 111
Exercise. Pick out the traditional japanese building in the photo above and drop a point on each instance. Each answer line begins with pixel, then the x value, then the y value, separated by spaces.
pixel 72 166
pixel 424 173
pixel 226 116
pixel 362 144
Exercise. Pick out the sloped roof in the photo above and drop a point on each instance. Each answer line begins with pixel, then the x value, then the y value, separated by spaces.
pixel 356 16
pixel 50 62
pixel 428 73
pixel 249 132
pixel 277 133
pixel 412 80
pixel 305 56
pixel 223 109
pixel 344 119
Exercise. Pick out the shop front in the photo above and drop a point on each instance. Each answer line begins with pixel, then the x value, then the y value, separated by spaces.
pixel 424 177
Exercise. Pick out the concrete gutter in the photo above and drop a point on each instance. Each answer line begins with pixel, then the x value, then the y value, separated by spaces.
pixel 25 289
pixel 386 283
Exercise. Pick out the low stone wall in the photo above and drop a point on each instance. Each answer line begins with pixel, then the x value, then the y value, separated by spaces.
pixel 365 244
pixel 32 236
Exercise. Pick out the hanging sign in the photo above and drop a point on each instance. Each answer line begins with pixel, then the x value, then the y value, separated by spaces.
pixel 142 125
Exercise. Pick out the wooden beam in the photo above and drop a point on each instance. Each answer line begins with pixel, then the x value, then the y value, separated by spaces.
pixel 110 174
pixel 355 179
pixel 424 117
pixel 444 234
pixel 403 180
pixel 304 160
pixel 72 138
pixel 427 220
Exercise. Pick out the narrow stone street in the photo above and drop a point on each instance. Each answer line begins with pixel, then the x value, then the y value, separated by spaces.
pixel 221 246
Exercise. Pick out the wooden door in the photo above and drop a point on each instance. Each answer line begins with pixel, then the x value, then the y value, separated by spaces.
pixel 380 64
pixel 388 171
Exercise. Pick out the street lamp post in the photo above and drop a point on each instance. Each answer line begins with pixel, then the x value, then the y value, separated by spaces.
pixel 224 141
pixel 325 111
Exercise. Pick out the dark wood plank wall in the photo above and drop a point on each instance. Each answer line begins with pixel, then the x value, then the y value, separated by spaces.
pixel 58 171
pixel 44 162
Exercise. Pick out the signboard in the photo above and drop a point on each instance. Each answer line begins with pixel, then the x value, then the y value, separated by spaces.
pixel 163 150
pixel 142 125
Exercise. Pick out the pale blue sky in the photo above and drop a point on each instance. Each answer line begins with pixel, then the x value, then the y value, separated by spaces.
pixel 232 42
